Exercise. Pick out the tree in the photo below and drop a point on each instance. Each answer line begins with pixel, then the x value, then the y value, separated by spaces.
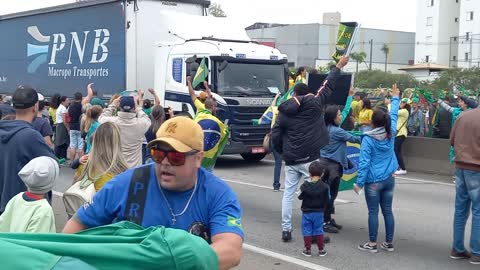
pixel 358 57
pixel 377 78
pixel 216 10
pixel 385 50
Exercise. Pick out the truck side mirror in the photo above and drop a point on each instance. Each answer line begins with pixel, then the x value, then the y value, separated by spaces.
pixel 222 66
pixel 191 59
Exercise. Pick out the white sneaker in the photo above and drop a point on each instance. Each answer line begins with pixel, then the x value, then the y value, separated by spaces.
pixel 401 172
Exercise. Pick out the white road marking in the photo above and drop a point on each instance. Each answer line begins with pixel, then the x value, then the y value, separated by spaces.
pixel 270 188
pixel 284 258
pixel 424 181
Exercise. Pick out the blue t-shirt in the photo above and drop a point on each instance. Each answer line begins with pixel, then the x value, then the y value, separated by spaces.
pixel 214 208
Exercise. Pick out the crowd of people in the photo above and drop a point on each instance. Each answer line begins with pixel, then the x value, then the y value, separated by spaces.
pixel 319 157
pixel 104 144
pixel 135 160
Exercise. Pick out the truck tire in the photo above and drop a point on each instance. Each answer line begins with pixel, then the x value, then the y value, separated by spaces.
pixel 253 157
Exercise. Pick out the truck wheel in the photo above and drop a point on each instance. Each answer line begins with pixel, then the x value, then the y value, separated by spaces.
pixel 253 157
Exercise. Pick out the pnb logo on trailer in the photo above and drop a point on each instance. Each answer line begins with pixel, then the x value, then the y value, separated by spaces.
pixel 47 48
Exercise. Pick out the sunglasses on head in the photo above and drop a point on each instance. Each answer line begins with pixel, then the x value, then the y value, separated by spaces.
pixel 174 158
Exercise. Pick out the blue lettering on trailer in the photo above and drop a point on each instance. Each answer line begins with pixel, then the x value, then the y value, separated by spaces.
pixel 63 51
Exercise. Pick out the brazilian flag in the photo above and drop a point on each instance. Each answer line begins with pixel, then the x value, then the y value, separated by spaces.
pixel 350 175
pixel 201 75
pixel 267 116
pixel 215 137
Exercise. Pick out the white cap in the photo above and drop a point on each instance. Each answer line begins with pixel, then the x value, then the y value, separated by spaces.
pixel 40 174
pixel 40 97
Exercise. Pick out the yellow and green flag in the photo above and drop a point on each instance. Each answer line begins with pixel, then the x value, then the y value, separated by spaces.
pixel 350 175
pixel 201 75
pixel 215 137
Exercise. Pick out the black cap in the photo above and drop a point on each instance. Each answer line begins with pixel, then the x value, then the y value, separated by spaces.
pixel 24 97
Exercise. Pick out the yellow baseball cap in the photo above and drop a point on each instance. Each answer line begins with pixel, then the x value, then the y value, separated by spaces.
pixel 203 95
pixel 181 133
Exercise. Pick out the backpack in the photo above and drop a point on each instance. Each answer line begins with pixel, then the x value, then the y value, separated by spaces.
pixel 78 194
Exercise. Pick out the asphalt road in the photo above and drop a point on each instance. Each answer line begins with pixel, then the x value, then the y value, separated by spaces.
pixel 423 208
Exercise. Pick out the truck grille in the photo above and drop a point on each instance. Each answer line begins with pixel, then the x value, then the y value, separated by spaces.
pixel 243 115
pixel 249 135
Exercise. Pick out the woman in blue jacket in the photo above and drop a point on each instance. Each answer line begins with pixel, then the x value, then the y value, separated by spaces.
pixel 376 168
pixel 335 155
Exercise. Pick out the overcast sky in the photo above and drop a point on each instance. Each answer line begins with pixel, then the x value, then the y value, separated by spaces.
pixel 382 14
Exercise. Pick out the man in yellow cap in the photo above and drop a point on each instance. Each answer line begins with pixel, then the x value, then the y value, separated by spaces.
pixel 199 101
pixel 175 192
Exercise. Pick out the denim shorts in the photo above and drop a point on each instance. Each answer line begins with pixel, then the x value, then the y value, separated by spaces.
pixel 76 141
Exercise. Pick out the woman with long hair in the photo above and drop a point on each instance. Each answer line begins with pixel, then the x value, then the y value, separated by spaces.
pixel 335 155
pixel 105 159
pixel 90 124
pixel 375 173
pixel 52 111
pixel 365 115
pixel 301 75
pixel 402 133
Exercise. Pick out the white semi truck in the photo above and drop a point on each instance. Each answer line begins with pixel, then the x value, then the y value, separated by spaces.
pixel 244 76
pixel 139 44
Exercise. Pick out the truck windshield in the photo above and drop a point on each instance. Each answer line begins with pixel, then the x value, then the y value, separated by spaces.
pixel 247 79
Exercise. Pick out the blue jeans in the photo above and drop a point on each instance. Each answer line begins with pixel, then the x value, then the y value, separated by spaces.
pixel 377 195
pixel 312 224
pixel 293 174
pixel 278 167
pixel 467 195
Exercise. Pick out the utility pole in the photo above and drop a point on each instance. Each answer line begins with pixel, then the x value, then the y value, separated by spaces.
pixel 371 53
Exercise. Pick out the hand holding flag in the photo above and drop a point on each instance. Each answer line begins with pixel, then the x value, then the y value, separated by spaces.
pixel 201 75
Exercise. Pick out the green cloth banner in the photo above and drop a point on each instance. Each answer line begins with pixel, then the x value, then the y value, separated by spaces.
pixel 345 40
pixel 119 246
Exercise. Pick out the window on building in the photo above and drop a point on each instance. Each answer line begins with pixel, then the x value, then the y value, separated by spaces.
pixel 427 58
pixel 454 58
pixel 456 19
pixel 470 16
pixel 428 40
pixel 429 21
pixel 467 36
pixel 430 3
pixel 455 38
pixel 467 56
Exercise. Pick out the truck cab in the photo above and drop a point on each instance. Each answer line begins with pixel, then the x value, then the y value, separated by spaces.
pixel 244 77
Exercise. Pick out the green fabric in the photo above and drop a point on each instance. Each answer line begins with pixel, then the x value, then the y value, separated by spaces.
pixel 201 75
pixel 147 111
pixel 346 109
pixel 69 263
pixel 22 257
pixel 427 95
pixel 123 245
pixel 455 114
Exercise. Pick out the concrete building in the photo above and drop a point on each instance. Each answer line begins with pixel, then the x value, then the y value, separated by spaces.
pixel 437 22
pixel 448 32
pixel 313 44
pixel 468 41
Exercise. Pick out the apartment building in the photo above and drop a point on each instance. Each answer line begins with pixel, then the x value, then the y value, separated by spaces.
pixel 448 32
